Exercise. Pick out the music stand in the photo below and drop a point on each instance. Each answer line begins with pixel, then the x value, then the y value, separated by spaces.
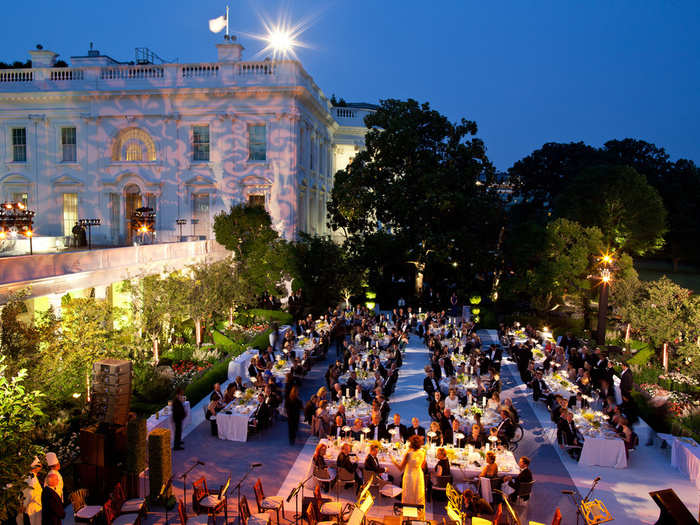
pixel 594 512
pixel 163 494
pixel 295 494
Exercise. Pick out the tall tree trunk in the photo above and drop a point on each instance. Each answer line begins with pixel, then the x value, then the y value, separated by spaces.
pixel 156 356
pixel 198 331
pixel 420 267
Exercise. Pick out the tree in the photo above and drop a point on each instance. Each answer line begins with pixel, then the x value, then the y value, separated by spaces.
pixel 243 228
pixel 325 271
pixel 18 339
pixel 425 182
pixel 618 200
pixel 20 415
pixel 211 291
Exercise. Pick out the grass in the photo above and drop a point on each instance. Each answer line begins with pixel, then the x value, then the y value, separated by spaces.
pixel 644 354
pixel 687 276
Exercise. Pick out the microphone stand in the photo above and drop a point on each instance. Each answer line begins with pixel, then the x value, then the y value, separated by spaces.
pixel 184 481
pixel 237 488
pixel 595 482
pixel 295 493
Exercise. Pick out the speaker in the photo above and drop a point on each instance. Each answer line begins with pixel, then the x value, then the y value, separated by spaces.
pixel 673 511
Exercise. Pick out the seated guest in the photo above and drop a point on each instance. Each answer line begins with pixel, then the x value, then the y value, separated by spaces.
pixel 252 368
pixel 505 429
pixel 442 468
pixel 343 461
pixel 341 412
pixel 493 438
pixel 434 408
pixel 475 505
pixel 377 430
pixel 558 406
pixel 490 469
pixel 416 429
pixel 508 403
pixel 494 402
pixel 356 429
pixel 456 429
pixel 578 401
pixel 437 439
pixel 319 464
pixel 452 401
pixel 515 483
pixel 476 438
pixel 230 393
pixel 567 435
pixel 217 396
pixel 310 408
pixel 337 428
pixel 238 384
pixel 540 390
pixel 372 465
pixel 212 409
pixel 401 432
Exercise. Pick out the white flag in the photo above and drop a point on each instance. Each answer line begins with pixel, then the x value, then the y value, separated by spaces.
pixel 217 24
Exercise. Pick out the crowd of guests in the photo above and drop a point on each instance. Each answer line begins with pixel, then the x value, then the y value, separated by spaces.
pixel 592 373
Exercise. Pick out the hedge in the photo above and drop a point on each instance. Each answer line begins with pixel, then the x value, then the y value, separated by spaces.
pixel 200 387
pixel 160 462
pixel 271 316
pixel 261 341
pixel 222 342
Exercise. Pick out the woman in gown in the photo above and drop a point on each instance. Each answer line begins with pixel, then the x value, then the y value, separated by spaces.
pixel 412 465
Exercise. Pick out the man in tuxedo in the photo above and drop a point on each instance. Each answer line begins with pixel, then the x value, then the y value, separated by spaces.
pixel 457 441
pixel 446 425
pixel 372 465
pixel 337 427
pixel 344 461
pixel 377 430
pixel 442 370
pixel 401 431
pixel 540 389
pixel 505 429
pixel 52 511
pixel 567 435
pixel 626 379
pixel 217 396
pixel 476 439
pixel 416 429
pixel 352 382
pixel 515 483
pixel 430 384
pixel 384 408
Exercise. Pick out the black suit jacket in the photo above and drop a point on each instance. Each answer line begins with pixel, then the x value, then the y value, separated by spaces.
pixel 402 431
pixel 626 381
pixel 415 431
pixel 52 511
pixel 429 387
pixel 382 434
pixel 525 476
pixel 537 388
pixel 372 465
pixel 566 434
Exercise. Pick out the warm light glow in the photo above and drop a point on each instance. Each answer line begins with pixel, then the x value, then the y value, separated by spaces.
pixel 76 395
pixel 280 41
pixel 282 37
pixel 3 235
pixel 606 258
pixel 28 233
pixel 605 278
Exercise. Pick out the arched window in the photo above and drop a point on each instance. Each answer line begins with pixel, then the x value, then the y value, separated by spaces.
pixel 134 145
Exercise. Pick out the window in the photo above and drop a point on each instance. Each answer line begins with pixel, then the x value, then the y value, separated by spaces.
pixel 257 142
pixel 134 145
pixel 200 142
pixel 200 213
pixel 20 197
pixel 70 212
pixel 133 151
pixel 19 145
pixel 256 200
pixel 68 145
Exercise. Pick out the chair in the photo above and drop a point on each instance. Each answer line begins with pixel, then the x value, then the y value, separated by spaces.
pixel 485 488
pixel 440 485
pixel 128 505
pixel 523 494
pixel 82 512
pixel 251 519
pixel 319 501
pixel 196 520
pixel 498 514
pixel 113 517
pixel 344 478
pixel 268 503
pixel 214 503
pixel 312 517
pixel 556 519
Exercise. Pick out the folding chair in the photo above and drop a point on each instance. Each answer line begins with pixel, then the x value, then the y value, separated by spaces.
pixel 81 511
pixel 251 519
pixel 270 503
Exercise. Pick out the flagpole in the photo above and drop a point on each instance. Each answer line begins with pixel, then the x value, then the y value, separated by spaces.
pixel 226 22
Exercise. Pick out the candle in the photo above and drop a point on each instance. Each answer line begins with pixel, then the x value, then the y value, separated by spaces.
pixel 483 401
pixel 347 392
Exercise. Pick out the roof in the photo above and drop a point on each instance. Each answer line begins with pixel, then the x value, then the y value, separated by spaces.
pixel 359 105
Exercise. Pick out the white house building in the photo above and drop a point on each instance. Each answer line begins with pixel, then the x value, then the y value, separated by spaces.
pixel 102 138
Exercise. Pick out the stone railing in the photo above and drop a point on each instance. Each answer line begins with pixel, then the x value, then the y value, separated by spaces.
pixel 161 76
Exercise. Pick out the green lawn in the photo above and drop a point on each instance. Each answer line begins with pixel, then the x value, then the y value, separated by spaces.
pixel 687 276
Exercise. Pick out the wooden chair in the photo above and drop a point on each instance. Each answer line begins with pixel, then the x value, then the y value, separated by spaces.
pixel 212 504
pixel 194 520
pixel 312 517
pixel 440 485
pixel 251 519
pixel 268 503
pixel 83 513
pixel 112 516
pixel 556 519
pixel 129 505
pixel 344 478
pixel 199 491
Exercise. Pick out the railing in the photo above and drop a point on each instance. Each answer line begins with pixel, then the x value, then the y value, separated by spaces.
pixel 16 75
pixel 256 68
pixel 207 70
pixel 345 113
pixel 131 72
pixel 66 74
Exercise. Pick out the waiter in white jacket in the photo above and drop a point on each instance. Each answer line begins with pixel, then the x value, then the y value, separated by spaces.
pixel 31 504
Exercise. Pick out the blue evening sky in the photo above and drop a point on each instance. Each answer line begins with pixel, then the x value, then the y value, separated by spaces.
pixel 527 71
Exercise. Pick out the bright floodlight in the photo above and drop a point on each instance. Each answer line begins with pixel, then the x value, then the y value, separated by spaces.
pixel 280 41
pixel 606 258
pixel 282 37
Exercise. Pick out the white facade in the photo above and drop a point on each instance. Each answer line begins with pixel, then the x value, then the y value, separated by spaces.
pixel 101 138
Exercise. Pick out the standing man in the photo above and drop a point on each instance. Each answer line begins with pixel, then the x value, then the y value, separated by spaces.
pixel 179 414
pixel 52 511
pixel 54 466
pixel 626 380
pixel 31 503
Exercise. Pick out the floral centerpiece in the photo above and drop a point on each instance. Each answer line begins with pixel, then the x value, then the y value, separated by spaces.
pixel 362 374
pixel 475 409
pixel 280 364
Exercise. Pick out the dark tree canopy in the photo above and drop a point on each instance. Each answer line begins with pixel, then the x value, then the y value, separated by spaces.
pixel 424 181
pixel 618 200
pixel 242 227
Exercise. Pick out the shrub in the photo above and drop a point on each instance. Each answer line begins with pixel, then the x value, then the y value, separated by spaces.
pixel 224 343
pixel 136 433
pixel 261 341
pixel 179 352
pixel 159 460
pixel 150 385
pixel 201 386
pixel 271 316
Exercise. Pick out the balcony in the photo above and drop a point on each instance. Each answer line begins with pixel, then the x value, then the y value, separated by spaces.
pixel 284 73
pixel 51 273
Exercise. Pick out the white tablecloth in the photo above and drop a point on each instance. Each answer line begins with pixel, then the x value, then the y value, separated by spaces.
pixel 239 365
pixel 603 452
pixel 685 456
pixel 165 420
pixel 234 426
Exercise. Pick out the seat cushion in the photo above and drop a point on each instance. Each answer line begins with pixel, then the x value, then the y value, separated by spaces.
pixel 332 508
pixel 390 491
pixel 126 519
pixel 272 502
pixel 210 501
pixel 88 512
pixel 133 505
pixel 254 520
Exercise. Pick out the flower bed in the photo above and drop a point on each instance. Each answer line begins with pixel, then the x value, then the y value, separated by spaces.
pixel 186 371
